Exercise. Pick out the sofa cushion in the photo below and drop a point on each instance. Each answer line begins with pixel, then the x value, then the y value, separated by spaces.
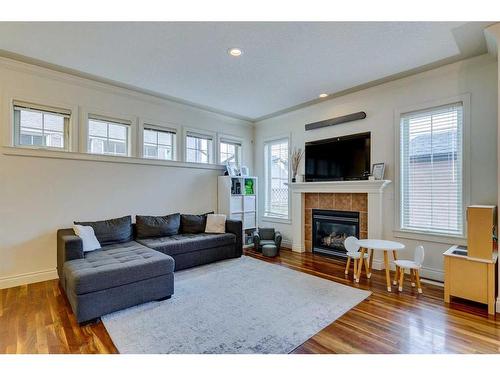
pixel 216 223
pixel 115 265
pixel 194 224
pixel 111 231
pixel 187 243
pixel 157 226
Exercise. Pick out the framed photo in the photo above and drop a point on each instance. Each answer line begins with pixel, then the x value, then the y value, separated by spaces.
pixel 378 171
pixel 244 171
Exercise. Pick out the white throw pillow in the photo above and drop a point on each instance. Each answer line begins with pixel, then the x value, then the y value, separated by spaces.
pixel 89 240
pixel 216 223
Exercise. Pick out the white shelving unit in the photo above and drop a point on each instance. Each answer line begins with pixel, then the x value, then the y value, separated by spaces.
pixel 237 199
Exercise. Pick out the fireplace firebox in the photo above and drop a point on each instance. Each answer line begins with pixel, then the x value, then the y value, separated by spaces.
pixel 329 230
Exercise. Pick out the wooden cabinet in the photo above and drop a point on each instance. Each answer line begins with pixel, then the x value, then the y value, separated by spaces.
pixel 470 278
pixel 481 222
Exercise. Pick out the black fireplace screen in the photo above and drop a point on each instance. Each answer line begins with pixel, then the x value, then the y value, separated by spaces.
pixel 331 228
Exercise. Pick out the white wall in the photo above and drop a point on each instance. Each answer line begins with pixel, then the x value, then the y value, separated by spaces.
pixel 492 35
pixel 477 76
pixel 39 195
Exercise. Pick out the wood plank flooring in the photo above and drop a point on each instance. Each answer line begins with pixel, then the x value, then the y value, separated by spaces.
pixel 37 318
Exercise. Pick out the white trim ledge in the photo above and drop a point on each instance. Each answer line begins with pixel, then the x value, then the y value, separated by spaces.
pixel 356 186
pixel 28 278
pixel 40 153
pixel 430 237
pixel 279 220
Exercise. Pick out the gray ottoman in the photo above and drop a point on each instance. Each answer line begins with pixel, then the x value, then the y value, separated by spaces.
pixel 269 250
pixel 116 277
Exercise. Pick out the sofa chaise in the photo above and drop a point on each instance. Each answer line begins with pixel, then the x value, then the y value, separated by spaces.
pixel 136 262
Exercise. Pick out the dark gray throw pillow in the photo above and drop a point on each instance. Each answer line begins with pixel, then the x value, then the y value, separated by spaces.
pixel 194 223
pixel 111 231
pixel 157 226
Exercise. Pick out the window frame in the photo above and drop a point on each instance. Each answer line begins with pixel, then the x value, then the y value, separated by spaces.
pixel 103 115
pixel 267 215
pixel 201 133
pixel 158 125
pixel 401 232
pixel 43 108
pixel 108 121
pixel 230 139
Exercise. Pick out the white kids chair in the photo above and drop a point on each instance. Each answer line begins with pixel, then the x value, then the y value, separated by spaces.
pixel 352 247
pixel 414 266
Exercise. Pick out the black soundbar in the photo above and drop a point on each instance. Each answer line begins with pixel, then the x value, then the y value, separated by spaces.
pixel 336 121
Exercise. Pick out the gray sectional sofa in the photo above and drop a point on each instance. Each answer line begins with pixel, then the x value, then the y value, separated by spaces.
pixel 136 262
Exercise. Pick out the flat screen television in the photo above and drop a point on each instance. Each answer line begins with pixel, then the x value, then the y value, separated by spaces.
pixel 338 159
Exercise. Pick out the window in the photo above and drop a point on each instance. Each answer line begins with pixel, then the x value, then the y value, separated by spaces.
pixel 108 137
pixel 159 144
pixel 431 172
pixel 198 148
pixel 229 151
pixel 41 126
pixel 276 178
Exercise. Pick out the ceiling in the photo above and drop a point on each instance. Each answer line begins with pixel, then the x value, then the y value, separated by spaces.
pixel 283 65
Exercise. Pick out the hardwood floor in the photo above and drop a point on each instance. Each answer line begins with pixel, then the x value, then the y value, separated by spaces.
pixel 37 318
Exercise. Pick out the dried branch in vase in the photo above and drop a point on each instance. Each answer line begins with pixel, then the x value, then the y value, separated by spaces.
pixel 297 155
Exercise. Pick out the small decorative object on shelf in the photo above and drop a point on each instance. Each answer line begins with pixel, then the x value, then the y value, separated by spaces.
pixel 249 186
pixel 232 169
pixel 378 171
pixel 297 155
pixel 244 171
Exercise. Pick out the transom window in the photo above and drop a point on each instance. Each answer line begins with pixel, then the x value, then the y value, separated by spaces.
pixel 229 152
pixel 431 170
pixel 198 148
pixel 159 144
pixel 108 137
pixel 41 126
pixel 276 178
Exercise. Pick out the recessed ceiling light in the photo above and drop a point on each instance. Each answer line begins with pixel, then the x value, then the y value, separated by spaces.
pixel 235 52
pixel 323 95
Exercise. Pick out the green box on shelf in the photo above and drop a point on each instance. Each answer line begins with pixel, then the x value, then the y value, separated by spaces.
pixel 249 186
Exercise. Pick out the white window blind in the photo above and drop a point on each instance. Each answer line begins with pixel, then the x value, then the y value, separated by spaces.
pixel 276 173
pixel 431 170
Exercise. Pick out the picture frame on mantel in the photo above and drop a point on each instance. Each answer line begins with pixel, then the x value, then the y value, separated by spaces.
pixel 378 171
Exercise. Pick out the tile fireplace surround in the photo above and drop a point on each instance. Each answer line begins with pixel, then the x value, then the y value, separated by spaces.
pixel 355 202
pixel 364 197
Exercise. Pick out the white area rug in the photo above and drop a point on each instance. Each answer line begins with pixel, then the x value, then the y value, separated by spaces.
pixel 236 306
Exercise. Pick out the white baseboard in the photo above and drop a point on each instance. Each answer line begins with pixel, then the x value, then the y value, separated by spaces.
pixel 28 278
pixel 289 245
pixel 426 272
pixel 498 305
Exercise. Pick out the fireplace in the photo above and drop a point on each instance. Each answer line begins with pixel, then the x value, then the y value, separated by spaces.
pixel 330 228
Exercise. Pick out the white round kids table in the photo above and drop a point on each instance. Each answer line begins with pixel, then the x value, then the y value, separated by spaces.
pixel 384 246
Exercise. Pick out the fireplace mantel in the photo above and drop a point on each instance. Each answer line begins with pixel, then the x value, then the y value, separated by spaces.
pixel 358 186
pixel 373 188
